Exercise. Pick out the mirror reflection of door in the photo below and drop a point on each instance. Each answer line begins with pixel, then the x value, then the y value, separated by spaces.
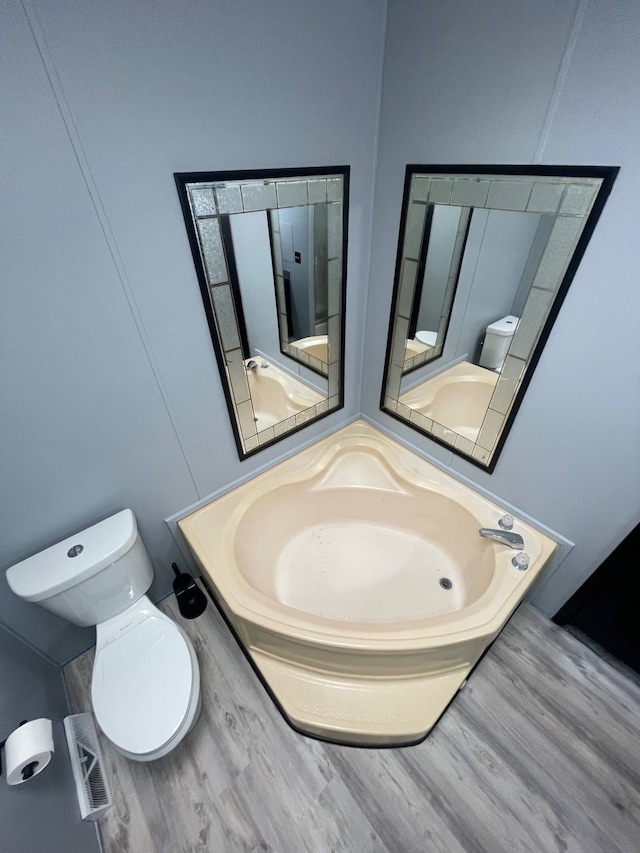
pixel 297 249
pixel 249 251
pixel 301 258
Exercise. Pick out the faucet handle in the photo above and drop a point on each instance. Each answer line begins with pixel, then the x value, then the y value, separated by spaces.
pixel 521 561
pixel 506 522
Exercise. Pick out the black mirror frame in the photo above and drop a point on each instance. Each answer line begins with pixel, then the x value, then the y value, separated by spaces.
pixel 182 179
pixel 608 176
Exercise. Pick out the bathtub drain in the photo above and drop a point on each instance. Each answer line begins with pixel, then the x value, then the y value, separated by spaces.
pixel 445 583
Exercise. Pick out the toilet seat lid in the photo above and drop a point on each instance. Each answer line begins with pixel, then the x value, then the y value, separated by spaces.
pixel 141 685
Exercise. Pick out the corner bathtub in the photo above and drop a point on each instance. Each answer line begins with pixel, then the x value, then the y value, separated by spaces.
pixel 316 346
pixel 329 568
pixel 458 398
pixel 276 395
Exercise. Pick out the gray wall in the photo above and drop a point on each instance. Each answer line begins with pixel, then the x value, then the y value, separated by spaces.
pixel 43 813
pixel 547 82
pixel 109 393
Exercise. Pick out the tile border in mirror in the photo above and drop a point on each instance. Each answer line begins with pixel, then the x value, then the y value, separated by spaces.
pixel 209 201
pixel 570 199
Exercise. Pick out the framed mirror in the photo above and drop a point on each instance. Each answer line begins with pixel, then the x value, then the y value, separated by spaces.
pixel 485 257
pixel 270 252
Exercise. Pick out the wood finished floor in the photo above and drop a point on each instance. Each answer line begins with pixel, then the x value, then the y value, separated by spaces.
pixel 540 752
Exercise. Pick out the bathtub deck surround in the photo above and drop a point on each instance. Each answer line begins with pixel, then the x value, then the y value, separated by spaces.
pixel 356 579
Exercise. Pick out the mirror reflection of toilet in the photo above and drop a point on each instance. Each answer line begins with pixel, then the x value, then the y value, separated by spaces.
pixel 497 340
pixel 145 686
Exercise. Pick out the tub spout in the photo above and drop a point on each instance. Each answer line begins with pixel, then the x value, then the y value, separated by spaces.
pixel 513 540
pixel 252 365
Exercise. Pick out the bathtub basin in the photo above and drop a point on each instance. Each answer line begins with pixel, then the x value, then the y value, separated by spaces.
pixel 276 395
pixel 315 346
pixel 355 578
pixel 457 398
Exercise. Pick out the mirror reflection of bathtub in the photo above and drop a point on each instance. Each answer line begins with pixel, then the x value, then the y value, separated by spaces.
pixel 270 250
pixel 457 399
pixel 276 395
pixel 355 577
pixel 485 257
pixel 316 347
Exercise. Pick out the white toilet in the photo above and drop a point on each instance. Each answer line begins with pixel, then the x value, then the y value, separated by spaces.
pixel 497 340
pixel 145 687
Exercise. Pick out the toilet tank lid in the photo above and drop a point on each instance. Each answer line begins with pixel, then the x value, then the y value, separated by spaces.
pixel 505 326
pixel 74 559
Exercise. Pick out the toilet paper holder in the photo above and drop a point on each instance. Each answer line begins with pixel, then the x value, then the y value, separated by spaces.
pixel 30 769
pixel 27 750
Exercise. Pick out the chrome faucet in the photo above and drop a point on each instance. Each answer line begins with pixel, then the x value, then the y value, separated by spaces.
pixel 513 540
pixel 251 365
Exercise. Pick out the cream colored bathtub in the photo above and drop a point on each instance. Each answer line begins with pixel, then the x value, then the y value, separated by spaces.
pixel 328 567
pixel 316 346
pixel 457 398
pixel 413 347
pixel 276 395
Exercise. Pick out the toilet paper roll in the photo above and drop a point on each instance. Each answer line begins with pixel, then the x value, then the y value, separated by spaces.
pixel 28 750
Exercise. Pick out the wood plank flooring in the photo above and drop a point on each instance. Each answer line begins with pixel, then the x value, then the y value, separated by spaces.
pixel 539 753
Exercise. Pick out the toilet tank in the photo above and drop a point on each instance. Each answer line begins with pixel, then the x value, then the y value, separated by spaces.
pixel 497 341
pixel 90 576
